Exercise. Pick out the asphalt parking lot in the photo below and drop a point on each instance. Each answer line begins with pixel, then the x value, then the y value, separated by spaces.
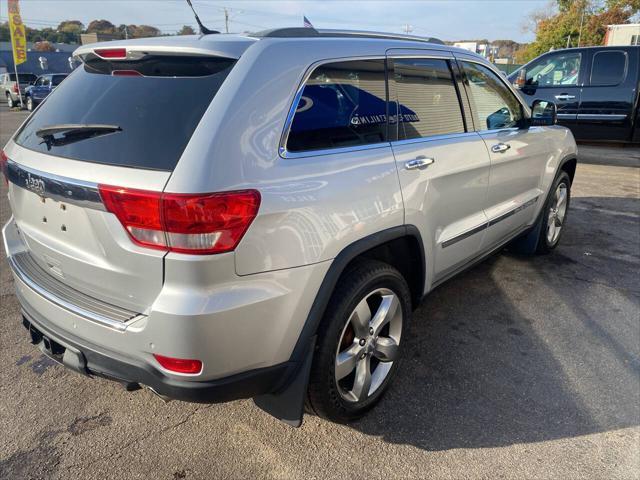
pixel 520 368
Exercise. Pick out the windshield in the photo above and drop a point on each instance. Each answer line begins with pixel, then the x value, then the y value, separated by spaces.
pixel 157 103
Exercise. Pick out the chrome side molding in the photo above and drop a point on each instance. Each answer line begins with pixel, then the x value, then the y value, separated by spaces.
pixel 489 223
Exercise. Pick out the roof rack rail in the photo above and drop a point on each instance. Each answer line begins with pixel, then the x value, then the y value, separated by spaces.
pixel 289 32
pixel 305 32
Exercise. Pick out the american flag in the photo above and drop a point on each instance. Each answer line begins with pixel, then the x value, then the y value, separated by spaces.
pixel 306 22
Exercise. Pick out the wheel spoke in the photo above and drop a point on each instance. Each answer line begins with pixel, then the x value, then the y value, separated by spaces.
pixel 386 311
pixel 386 349
pixel 551 229
pixel 347 360
pixel 362 382
pixel 360 318
pixel 562 198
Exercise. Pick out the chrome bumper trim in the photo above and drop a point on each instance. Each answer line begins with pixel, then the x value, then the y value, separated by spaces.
pixel 24 267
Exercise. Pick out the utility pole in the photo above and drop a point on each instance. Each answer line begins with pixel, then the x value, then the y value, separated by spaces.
pixel 408 29
pixel 226 19
pixel 568 40
pixel 584 6
pixel 126 33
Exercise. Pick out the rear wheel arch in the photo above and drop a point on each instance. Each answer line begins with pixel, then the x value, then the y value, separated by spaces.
pixel 286 399
pixel 401 247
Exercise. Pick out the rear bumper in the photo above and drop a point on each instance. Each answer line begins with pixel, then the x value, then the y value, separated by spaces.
pixel 244 341
pixel 93 360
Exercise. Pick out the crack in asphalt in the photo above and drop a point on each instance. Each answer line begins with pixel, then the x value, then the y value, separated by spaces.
pixel 138 439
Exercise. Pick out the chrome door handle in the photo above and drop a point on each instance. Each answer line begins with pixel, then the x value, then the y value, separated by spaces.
pixel 418 162
pixel 565 97
pixel 500 148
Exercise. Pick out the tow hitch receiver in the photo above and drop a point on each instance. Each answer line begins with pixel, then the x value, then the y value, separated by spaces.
pixel 63 354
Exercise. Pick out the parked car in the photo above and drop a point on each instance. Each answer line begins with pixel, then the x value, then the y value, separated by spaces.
pixel 596 89
pixel 43 86
pixel 222 217
pixel 9 86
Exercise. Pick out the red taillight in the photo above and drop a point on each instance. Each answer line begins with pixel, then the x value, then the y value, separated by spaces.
pixel 111 52
pixel 126 73
pixel 179 365
pixel 185 223
pixel 15 88
pixel 139 213
pixel 4 166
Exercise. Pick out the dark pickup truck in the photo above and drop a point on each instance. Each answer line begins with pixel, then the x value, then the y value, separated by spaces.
pixel 596 90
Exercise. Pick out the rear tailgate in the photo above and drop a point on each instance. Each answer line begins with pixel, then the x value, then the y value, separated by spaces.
pixel 65 229
pixel 59 158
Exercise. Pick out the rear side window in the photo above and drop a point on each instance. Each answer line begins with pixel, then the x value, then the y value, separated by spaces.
pixel 608 68
pixel 494 105
pixel 427 99
pixel 342 104
pixel 23 77
pixel 156 103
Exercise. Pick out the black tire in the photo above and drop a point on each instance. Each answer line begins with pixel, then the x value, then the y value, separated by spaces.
pixel 324 396
pixel 10 102
pixel 544 244
pixel 30 105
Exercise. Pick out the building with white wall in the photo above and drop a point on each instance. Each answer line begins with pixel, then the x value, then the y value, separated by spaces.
pixel 625 34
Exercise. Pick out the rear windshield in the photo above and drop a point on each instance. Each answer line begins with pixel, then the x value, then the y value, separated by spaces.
pixel 156 103
pixel 24 77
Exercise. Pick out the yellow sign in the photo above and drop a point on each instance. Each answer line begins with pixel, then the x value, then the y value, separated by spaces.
pixel 18 34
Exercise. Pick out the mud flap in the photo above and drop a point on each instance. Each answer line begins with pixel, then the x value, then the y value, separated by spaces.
pixel 288 404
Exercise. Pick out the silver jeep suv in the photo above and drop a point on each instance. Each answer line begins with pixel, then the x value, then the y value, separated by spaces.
pixel 219 217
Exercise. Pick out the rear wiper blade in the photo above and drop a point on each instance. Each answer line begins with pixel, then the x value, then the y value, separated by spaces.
pixel 71 128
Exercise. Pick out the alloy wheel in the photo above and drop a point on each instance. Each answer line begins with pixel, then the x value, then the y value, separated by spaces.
pixel 556 214
pixel 368 345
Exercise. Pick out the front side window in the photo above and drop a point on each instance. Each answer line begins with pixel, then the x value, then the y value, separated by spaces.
pixel 427 99
pixel 57 79
pixel 609 68
pixel 343 104
pixel 554 70
pixel 494 105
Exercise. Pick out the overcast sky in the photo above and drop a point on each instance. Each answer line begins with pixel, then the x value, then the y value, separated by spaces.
pixel 449 20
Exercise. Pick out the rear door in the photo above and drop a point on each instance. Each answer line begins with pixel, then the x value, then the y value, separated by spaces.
pixel 55 177
pixel 442 163
pixel 518 155
pixel 609 94
pixel 557 77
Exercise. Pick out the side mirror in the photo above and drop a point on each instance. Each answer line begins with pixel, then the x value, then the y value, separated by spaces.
pixel 543 113
pixel 521 78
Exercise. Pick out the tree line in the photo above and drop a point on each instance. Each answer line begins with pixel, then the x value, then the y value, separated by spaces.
pixel 560 26
pixel 69 31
